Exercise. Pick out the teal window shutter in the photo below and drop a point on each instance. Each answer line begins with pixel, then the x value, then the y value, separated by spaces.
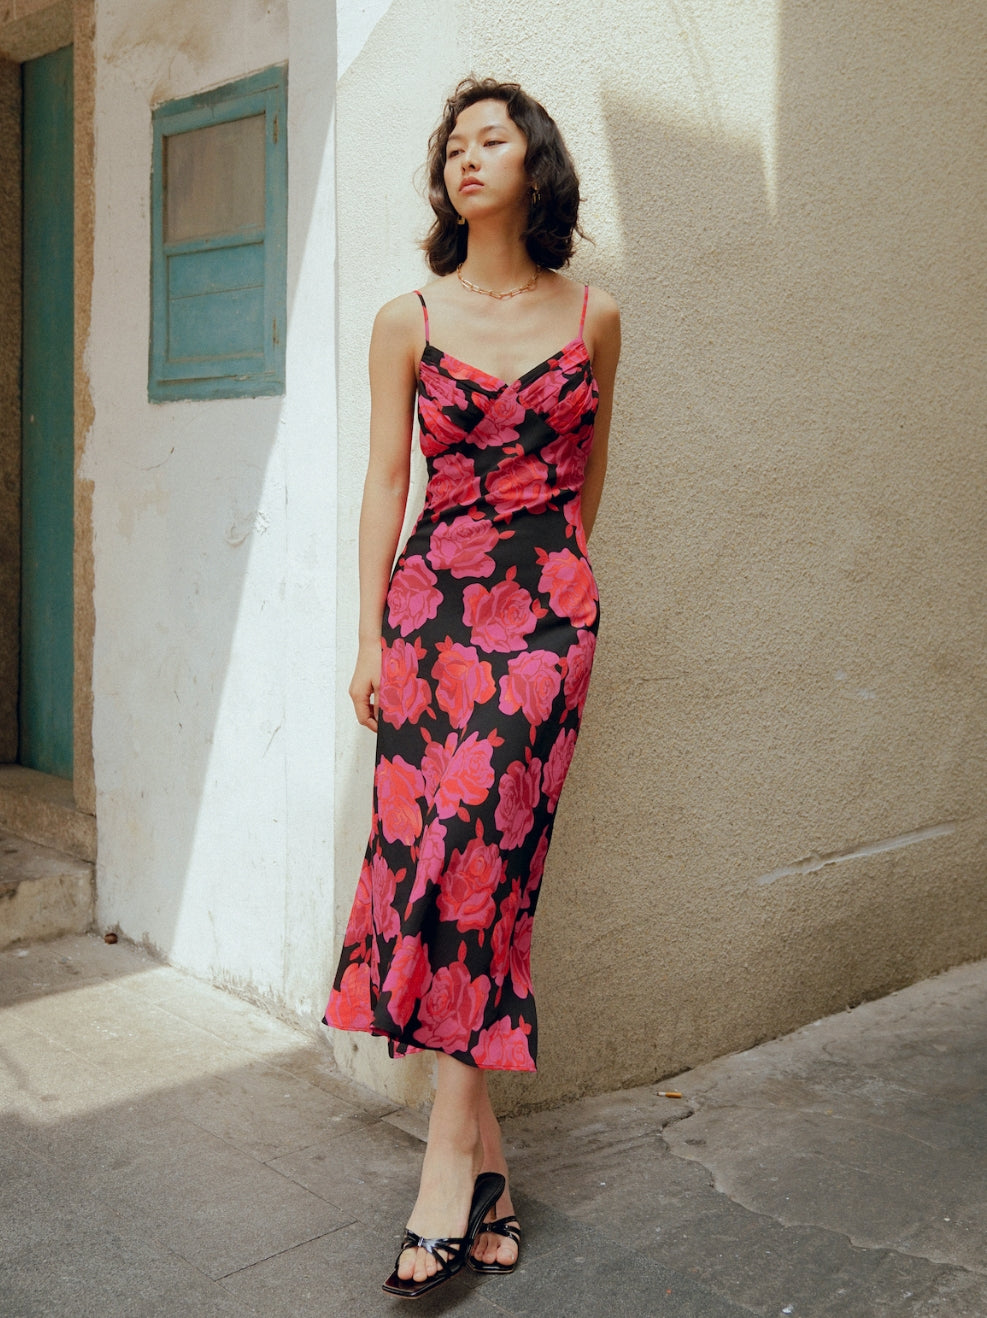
pixel 219 194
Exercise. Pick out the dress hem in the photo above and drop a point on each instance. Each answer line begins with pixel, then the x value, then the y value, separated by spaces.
pixel 425 1048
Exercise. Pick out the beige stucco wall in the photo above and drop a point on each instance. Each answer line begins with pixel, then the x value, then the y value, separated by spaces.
pixel 778 803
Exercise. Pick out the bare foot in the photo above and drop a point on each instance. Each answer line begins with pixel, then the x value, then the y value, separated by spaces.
pixel 443 1204
pixel 490 1247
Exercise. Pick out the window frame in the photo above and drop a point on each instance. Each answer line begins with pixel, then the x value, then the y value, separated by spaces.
pixel 224 375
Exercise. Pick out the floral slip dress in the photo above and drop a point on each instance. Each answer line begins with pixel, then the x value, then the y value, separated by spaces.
pixel 489 631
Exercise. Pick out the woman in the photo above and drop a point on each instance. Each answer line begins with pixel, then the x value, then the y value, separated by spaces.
pixel 475 654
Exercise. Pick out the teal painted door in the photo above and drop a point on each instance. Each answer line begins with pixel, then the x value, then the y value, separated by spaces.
pixel 47 429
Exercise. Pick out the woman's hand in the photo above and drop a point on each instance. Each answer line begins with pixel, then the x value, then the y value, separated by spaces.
pixel 365 684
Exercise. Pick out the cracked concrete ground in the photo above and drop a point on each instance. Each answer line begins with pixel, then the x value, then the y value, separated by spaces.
pixel 169 1150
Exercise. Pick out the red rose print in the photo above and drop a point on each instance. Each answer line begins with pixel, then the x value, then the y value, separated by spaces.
pixel 519 790
pixel 399 785
pixel 500 618
pixel 452 1008
pixel 570 585
pixel 411 599
pixel 467 777
pixel 518 483
pixel 404 696
pixel 521 956
pixel 578 667
pixel 464 680
pixel 407 979
pixel 466 893
pixel 349 1005
pixel 572 510
pixel 453 483
pixel 531 683
pixel 502 413
pixel 436 431
pixel 360 923
pixel 500 943
pixel 502 1048
pixel 557 766
pixel 461 546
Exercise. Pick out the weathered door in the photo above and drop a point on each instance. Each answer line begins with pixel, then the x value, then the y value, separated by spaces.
pixel 45 711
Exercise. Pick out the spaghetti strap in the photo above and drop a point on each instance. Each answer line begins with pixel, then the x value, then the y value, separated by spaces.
pixel 582 318
pixel 425 313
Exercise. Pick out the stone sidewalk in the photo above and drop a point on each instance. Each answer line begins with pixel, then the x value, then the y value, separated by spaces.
pixel 169 1150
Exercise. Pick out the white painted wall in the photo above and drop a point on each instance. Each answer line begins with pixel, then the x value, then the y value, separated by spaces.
pixel 214 533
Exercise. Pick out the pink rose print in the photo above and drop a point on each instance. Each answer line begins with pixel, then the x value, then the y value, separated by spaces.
pixel 431 858
pixel 349 1005
pixel 535 871
pixel 411 599
pixel 518 483
pixel 453 483
pixel 500 943
pixel 542 393
pixel 404 696
pixel 443 389
pixel 531 683
pixel 519 790
pixel 452 1008
pixel 502 413
pixel 578 668
pixel 464 681
pixel 557 766
pixel 500 619
pixel 570 585
pixel 407 979
pixel 384 884
pixel 503 1048
pixel 399 785
pixel 521 956
pixel 462 546
pixel 466 776
pixel 569 461
pixel 466 895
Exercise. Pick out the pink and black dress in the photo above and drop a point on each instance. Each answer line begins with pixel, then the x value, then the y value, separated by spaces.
pixel 488 638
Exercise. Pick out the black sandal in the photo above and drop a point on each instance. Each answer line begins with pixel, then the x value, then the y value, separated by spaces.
pixel 503 1226
pixel 454 1249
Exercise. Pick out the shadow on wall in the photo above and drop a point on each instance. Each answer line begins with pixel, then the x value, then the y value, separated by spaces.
pixel 789 555
pixel 213 832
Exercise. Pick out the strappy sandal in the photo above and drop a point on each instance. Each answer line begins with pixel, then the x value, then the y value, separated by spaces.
pixel 503 1226
pixel 450 1252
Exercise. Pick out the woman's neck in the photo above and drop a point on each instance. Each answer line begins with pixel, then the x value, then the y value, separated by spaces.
pixel 497 261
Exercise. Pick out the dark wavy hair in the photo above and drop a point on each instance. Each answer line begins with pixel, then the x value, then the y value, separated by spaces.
pixel 553 219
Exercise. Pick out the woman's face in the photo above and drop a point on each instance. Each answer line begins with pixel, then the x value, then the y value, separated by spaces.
pixel 484 169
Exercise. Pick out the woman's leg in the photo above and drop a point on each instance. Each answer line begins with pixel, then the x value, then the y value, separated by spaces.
pixel 490 1248
pixel 451 1165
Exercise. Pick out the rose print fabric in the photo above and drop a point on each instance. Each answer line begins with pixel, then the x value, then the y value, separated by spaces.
pixel 488 638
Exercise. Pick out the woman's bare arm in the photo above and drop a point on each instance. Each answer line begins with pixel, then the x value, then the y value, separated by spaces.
pixel 385 490
pixel 603 341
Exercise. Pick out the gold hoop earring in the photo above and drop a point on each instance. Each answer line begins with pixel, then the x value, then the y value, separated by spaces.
pixel 535 196
pixel 461 221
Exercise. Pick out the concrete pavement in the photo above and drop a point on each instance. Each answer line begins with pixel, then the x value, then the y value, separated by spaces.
pixel 170 1150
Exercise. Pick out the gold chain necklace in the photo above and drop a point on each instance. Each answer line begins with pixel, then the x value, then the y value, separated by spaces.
pixel 489 292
